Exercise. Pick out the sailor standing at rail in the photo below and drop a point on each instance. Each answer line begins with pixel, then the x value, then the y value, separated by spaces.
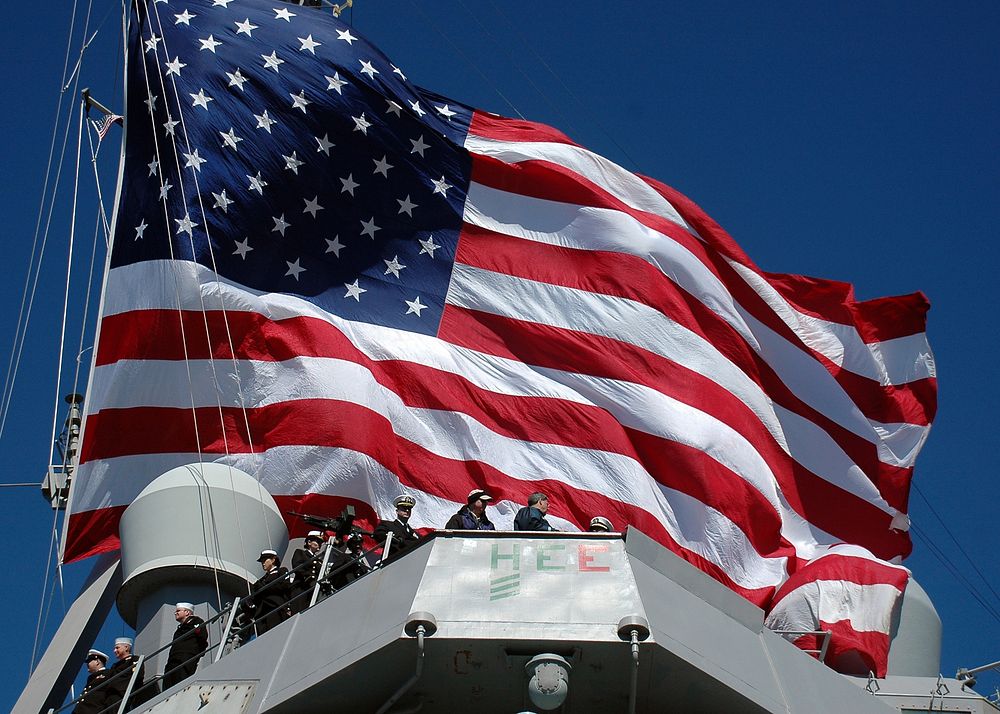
pixel 92 701
pixel 306 564
pixel 268 601
pixel 189 644
pixel 120 674
pixel 403 536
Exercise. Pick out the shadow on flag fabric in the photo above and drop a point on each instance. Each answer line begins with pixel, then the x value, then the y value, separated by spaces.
pixel 350 287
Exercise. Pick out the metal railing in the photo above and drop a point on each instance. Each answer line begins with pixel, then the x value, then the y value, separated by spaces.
pixel 237 627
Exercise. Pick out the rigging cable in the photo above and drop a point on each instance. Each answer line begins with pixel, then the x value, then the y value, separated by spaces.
pixel 953 569
pixel 211 358
pixel 24 313
pixel 226 323
pixel 12 368
pixel 39 623
pixel 173 257
pixel 951 535
pixel 97 182
pixel 62 347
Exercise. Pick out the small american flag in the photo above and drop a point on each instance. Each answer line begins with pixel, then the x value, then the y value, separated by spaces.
pixel 104 124
pixel 348 286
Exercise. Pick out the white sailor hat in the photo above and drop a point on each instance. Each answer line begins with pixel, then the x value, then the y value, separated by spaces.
pixel 404 501
pixel 315 535
pixel 123 641
pixel 267 553
pixel 600 523
pixel 478 494
pixel 184 606
pixel 97 654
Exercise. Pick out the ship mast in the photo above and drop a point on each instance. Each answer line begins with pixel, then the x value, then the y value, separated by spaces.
pixel 56 484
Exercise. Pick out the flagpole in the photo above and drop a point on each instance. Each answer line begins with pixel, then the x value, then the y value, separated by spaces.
pixel 91 102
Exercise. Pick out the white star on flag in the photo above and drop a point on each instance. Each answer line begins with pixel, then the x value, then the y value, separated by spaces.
pixel 236 79
pixel 406 206
pixel 354 290
pixel 280 225
pixel 294 269
pixel 299 100
pixel 201 99
pixel 245 28
pixel 264 121
pixel 334 245
pixel 174 67
pixel 414 306
pixel 292 163
pixel 312 206
pixel 325 144
pixel 382 166
pixel 419 146
pixel 349 184
pixel 368 228
pixel 257 183
pixel 272 61
pixel 393 266
pixel 441 186
pixel 194 160
pixel 308 44
pixel 335 82
pixel 209 43
pixel 222 201
pixel 230 139
pixel 242 248
pixel 361 124
pixel 185 225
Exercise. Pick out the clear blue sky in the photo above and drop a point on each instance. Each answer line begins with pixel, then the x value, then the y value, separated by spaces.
pixel 855 141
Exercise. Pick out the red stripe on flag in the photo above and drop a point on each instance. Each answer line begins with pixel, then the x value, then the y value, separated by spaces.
pixel 492 126
pixel 551 182
pixel 630 277
pixel 819 501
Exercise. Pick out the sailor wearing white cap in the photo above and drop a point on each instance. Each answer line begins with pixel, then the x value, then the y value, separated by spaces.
pixel 189 644
pixel 120 674
pixel 403 536
pixel 306 564
pixel 600 524
pixel 472 516
pixel 268 600
pixel 92 701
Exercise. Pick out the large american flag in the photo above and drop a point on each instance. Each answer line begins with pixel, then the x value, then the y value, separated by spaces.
pixel 350 287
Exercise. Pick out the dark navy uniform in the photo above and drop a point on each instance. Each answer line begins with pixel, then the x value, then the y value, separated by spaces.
pixel 346 563
pixel 270 604
pixel 92 701
pixel 306 566
pixel 117 687
pixel 190 643
pixel 403 537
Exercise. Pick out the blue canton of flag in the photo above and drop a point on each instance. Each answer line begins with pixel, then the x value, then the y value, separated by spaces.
pixel 289 155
